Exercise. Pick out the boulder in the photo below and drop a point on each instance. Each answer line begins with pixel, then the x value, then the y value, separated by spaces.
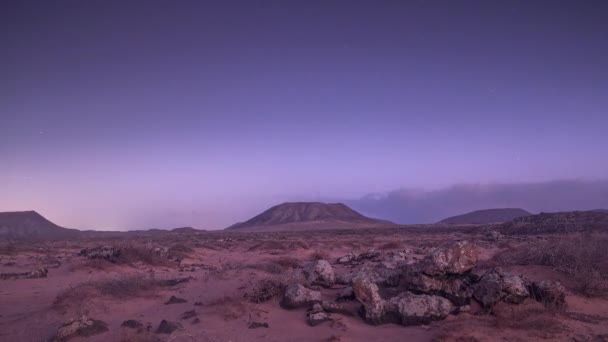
pixel 297 296
pixel 456 258
pixel 412 309
pixel 496 286
pixel 550 293
pixel 320 272
pixel 456 289
pixel 374 308
pixel 81 326
pixel 369 255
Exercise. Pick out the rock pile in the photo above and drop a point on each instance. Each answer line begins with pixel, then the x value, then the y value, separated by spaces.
pixel 445 282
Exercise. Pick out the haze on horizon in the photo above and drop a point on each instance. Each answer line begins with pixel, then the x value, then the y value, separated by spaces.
pixel 130 115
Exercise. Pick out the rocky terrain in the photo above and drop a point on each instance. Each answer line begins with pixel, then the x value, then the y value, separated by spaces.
pixel 487 216
pixel 427 282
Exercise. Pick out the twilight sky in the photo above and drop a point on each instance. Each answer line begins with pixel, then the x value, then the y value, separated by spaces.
pixel 139 114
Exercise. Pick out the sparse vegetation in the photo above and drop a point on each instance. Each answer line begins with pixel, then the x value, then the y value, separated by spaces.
pixel 583 257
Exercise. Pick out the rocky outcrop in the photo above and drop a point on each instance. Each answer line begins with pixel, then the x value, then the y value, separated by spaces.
pixel 497 286
pixel 320 272
pixel 374 309
pixel 297 296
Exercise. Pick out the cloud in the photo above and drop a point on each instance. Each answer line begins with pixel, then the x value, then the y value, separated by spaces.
pixel 419 206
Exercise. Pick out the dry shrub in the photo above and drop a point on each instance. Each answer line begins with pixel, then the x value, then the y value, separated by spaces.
pixel 8 249
pixel 287 262
pixel 584 257
pixel 118 288
pixel 268 246
pixel 390 245
pixel 319 255
pixel 132 253
pixel 229 307
pixel 265 290
pixel 522 318
pixel 269 267
pixel 180 251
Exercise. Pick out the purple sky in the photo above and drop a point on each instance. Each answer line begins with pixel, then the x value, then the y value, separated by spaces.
pixel 137 114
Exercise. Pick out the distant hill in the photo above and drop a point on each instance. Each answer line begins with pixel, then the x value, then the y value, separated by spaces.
pixel 487 216
pixel 600 210
pixel 309 216
pixel 29 225
pixel 561 222
pixel 186 230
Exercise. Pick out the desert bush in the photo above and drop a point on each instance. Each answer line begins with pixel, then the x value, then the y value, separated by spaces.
pixel 584 257
pixel 179 251
pixel 269 267
pixel 287 262
pixel 118 288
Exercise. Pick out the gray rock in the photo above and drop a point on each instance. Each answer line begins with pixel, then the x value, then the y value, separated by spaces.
pixel 320 272
pixel 414 309
pixel 297 296
pixel 456 258
pixel 496 286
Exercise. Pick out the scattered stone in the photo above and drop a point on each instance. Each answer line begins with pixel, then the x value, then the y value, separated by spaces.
pixel 196 320
pixel 39 273
pixel 133 324
pixel 256 325
pixel 82 326
pixel 316 318
pixel 297 296
pixel 198 303
pixel 175 300
pixel 346 259
pixel 176 281
pixel 188 314
pixel 167 327
pixel 320 272
pixel 493 235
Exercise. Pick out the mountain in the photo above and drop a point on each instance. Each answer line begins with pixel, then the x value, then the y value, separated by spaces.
pixel 29 225
pixel 487 216
pixel 309 215
pixel 561 222
pixel 186 230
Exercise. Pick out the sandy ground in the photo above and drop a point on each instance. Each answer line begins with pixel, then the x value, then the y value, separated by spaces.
pixel 225 267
